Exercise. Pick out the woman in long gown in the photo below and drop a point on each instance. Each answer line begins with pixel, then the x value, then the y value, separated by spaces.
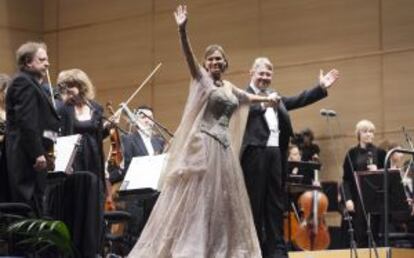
pixel 203 209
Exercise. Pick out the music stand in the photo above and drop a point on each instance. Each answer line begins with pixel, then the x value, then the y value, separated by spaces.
pixel 305 171
pixel 143 174
pixel 371 184
pixel 65 152
pixel 330 188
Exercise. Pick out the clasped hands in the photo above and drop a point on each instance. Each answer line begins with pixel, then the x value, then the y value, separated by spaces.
pixel 273 100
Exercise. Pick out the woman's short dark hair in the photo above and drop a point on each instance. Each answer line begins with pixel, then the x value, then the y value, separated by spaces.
pixel 307 132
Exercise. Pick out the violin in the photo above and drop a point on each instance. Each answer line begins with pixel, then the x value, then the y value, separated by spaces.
pixel 313 233
pixel 115 156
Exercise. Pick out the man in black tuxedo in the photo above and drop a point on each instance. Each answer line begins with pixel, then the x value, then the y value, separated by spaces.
pixel 142 141
pixel 31 129
pixel 264 153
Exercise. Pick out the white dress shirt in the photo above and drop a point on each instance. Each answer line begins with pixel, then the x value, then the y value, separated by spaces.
pixel 147 141
pixel 271 117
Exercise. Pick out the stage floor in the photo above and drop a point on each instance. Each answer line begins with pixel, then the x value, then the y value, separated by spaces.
pixel 362 253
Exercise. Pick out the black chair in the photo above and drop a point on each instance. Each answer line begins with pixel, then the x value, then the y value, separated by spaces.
pixel 111 218
pixel 16 210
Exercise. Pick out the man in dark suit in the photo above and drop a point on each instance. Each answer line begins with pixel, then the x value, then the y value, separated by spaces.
pixel 142 141
pixel 264 153
pixel 31 128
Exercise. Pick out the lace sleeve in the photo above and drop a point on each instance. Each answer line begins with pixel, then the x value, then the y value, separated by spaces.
pixel 241 95
pixel 189 55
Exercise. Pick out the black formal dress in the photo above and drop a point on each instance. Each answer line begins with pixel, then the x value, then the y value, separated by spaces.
pixel 89 155
pixel 84 191
pixel 31 119
pixel 265 168
pixel 357 160
pixel 308 151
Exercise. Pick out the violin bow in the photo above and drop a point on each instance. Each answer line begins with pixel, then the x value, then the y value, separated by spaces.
pixel 119 111
pixel 52 97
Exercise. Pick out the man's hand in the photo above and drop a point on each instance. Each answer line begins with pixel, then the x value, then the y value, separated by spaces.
pixel 328 79
pixel 274 99
pixel 372 167
pixel 40 163
pixel 350 205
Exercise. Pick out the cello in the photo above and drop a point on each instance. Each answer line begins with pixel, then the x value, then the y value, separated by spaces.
pixel 313 233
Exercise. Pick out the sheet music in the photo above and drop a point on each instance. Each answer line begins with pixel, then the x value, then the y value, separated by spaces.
pixel 143 172
pixel 65 152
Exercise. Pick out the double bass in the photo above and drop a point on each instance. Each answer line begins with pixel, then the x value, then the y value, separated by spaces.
pixel 313 233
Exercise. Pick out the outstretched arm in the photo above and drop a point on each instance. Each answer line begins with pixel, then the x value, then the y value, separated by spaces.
pixel 181 18
pixel 243 96
pixel 328 79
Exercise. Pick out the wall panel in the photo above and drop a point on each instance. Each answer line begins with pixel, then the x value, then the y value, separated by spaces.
pixel 398 90
pixel 82 12
pixel 24 15
pixel 116 54
pixel 398 20
pixel 298 31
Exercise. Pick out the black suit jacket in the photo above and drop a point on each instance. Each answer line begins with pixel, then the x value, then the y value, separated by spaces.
pixel 29 114
pixel 133 146
pixel 257 131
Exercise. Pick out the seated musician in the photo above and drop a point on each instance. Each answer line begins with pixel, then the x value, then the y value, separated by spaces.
pixel 365 156
pixel 299 175
pixel 142 141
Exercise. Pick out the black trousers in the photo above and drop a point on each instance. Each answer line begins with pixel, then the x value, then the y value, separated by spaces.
pixel 262 169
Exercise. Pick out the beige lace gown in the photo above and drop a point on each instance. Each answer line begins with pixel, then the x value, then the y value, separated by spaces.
pixel 203 209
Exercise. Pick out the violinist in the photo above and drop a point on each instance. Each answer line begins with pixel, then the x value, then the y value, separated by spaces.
pixel 32 125
pixel 365 156
pixel 80 114
pixel 142 141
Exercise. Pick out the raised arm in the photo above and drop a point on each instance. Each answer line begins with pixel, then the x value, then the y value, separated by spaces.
pixel 181 18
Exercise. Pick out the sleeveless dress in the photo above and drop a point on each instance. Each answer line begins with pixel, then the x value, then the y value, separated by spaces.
pixel 203 209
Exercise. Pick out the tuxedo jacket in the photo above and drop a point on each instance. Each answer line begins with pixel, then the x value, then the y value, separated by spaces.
pixel 133 146
pixel 29 115
pixel 257 130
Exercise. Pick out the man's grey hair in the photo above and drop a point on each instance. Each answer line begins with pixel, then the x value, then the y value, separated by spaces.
pixel 262 61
